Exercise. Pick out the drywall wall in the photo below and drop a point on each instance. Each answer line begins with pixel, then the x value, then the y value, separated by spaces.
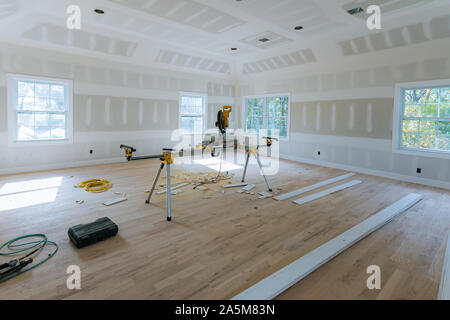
pixel 342 94
pixel 114 103
pixel 342 104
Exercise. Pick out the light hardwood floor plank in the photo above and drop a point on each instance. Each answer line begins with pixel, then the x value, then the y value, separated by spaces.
pixel 219 244
pixel 283 279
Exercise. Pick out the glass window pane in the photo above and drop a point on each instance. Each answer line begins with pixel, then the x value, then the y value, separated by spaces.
pixel 41 104
pixel 255 107
pixel 57 120
pixel 41 110
pixel 445 111
pixel 57 92
pixel 25 89
pixel 430 110
pixel 42 132
pixel 25 103
pixel 192 124
pixel 25 133
pixel 414 96
pixel 444 128
pixel 285 107
pixel 274 106
pixel 410 126
pixel 41 119
pixel 445 95
pixel 42 90
pixel 444 143
pixel 57 105
pixel 279 124
pixel 25 119
pixel 191 105
pixel 191 114
pixel 410 140
pixel 412 111
pixel 431 96
pixel 277 107
pixel 428 127
pixel 426 134
pixel 57 133
pixel 254 124
pixel 427 141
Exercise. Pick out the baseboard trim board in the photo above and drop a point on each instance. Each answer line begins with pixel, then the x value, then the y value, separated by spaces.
pixel 286 277
pixel 63 165
pixel 378 173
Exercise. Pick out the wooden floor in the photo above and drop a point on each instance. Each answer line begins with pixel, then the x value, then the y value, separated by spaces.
pixel 220 244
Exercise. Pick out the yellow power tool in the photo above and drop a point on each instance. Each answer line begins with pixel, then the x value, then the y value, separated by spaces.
pixel 222 119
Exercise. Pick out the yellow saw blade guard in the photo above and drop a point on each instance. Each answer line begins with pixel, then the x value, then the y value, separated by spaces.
pixel 226 113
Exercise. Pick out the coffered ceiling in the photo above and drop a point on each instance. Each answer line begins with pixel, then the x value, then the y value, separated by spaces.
pixel 198 35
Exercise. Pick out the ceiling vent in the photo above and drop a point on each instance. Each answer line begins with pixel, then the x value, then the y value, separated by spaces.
pixel 355 7
pixel 355 11
pixel 265 40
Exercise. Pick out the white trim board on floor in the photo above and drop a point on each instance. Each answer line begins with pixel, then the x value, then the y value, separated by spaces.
pixel 327 192
pixel 444 287
pixel 372 172
pixel 172 188
pixel 286 277
pixel 313 187
pixel 115 201
pixel 235 185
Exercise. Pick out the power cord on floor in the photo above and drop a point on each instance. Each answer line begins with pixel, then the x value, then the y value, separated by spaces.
pixel 21 265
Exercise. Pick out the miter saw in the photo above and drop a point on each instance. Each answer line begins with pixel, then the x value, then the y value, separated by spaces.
pixel 167 157
pixel 222 119
pixel 222 123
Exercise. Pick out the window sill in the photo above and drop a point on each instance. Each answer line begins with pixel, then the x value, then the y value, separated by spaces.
pixel 420 153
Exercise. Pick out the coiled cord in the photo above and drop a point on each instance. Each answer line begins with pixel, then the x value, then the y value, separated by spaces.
pixel 17 248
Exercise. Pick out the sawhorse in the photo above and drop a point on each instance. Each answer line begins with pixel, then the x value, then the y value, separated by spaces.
pixel 166 160
pixel 255 150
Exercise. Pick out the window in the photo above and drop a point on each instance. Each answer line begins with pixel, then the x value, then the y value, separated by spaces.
pixel 39 110
pixel 422 121
pixel 192 111
pixel 267 113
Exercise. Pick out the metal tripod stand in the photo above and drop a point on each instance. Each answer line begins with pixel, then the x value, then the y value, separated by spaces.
pixel 166 160
pixel 255 151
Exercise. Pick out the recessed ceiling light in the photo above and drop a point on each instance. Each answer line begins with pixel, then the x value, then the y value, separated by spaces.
pixel 233 49
pixel 264 40
pixel 355 10
pixel 298 28
pixel 99 11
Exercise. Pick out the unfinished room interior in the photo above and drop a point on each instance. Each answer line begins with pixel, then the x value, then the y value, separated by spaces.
pixel 225 150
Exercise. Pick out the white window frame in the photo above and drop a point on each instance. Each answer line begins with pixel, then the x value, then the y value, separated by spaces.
pixel 12 90
pixel 204 113
pixel 398 117
pixel 244 111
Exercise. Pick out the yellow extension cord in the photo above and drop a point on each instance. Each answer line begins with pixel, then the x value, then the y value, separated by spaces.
pixel 95 185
